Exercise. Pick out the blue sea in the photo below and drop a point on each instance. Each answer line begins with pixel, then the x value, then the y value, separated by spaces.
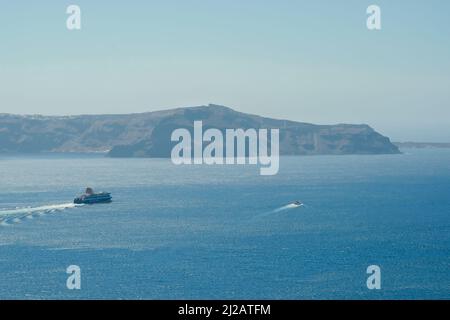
pixel 222 232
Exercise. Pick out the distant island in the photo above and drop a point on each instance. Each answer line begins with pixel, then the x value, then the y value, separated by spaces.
pixel 148 134
pixel 422 145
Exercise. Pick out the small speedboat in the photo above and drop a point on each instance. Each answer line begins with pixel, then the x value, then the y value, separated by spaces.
pixel 297 203
pixel 90 197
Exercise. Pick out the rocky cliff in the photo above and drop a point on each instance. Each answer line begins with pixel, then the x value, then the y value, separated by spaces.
pixel 148 134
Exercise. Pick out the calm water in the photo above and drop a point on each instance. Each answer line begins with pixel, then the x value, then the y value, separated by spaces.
pixel 211 232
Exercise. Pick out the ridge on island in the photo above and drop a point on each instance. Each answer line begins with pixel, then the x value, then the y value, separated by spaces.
pixel 148 134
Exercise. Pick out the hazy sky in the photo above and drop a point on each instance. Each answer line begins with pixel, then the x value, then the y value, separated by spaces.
pixel 312 61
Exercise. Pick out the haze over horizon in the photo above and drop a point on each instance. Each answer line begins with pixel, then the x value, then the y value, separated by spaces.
pixel 305 61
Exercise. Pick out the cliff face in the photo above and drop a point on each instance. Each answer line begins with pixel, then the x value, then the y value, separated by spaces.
pixel 148 134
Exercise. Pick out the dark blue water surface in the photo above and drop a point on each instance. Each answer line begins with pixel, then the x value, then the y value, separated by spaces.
pixel 200 232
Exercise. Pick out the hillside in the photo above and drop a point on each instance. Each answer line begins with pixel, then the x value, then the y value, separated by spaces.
pixel 148 134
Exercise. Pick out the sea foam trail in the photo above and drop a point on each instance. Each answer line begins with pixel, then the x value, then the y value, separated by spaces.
pixel 288 207
pixel 15 215
pixel 280 209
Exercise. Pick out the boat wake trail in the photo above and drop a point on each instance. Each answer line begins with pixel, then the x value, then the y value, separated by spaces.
pixel 288 207
pixel 10 217
pixel 280 209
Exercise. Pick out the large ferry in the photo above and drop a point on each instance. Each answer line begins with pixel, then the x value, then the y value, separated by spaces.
pixel 90 197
